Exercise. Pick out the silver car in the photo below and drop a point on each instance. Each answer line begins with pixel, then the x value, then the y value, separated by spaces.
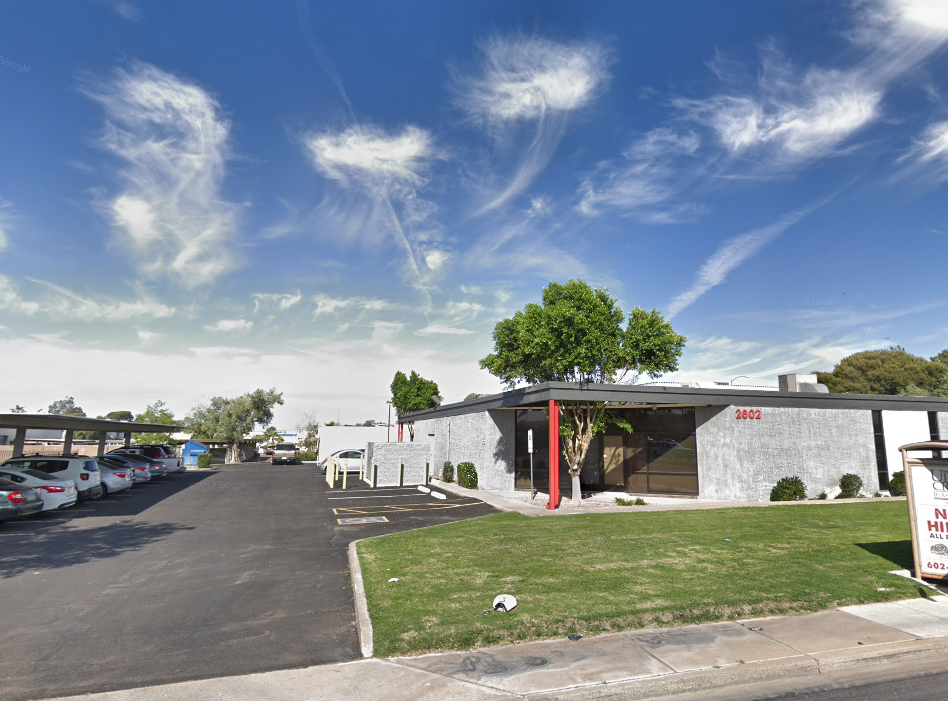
pixel 144 470
pixel 56 493
pixel 115 479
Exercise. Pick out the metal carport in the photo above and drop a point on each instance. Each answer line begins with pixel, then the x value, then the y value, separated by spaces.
pixel 70 424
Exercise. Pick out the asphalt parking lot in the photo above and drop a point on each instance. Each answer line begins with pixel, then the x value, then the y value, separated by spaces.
pixel 231 571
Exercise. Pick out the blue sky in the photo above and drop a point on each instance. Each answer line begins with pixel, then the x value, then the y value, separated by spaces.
pixel 206 198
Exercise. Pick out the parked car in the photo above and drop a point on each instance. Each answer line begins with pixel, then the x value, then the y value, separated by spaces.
pixel 349 459
pixel 18 501
pixel 115 479
pixel 139 472
pixel 56 493
pixel 83 471
pixel 156 470
pixel 153 452
pixel 285 453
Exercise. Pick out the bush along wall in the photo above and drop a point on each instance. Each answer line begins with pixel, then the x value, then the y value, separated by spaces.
pixel 307 455
pixel 897 484
pixel 788 489
pixel 467 475
pixel 849 486
pixel 447 472
pixel 204 460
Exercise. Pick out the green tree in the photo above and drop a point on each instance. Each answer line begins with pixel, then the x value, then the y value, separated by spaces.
pixel 579 334
pixel 308 427
pixel 413 393
pixel 123 415
pixel 18 410
pixel 65 407
pixel 942 357
pixel 888 371
pixel 228 420
pixel 157 413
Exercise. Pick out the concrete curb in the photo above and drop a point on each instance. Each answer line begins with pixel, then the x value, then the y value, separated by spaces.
pixel 363 622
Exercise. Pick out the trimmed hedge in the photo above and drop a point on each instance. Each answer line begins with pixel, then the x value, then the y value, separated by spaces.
pixel 307 455
pixel 849 486
pixel 447 472
pixel 897 484
pixel 205 460
pixel 788 489
pixel 467 475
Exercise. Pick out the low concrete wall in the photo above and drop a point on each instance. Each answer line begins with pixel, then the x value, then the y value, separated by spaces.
pixel 485 439
pixel 387 455
pixel 742 459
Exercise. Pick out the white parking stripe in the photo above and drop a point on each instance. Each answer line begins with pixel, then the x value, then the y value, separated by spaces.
pixel 380 496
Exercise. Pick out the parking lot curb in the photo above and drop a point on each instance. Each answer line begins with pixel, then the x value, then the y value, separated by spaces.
pixel 363 622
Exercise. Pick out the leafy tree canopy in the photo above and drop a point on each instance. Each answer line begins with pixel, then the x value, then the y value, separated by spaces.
pixel 65 407
pixel 413 393
pixel 890 371
pixel 18 410
pixel 157 413
pixel 228 420
pixel 122 415
pixel 579 334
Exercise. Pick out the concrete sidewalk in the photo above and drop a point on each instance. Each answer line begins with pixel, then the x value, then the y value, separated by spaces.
pixel 638 664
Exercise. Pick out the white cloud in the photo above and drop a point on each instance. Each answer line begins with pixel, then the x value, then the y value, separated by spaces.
pixel 541 206
pixel 59 302
pixel 530 79
pixel 330 305
pixel 472 289
pixel 733 253
pixel 146 336
pixel 929 152
pixel 464 308
pixel 434 329
pixel 173 140
pixel 280 302
pixel 228 325
pixel 649 177
pixel 388 168
pixel 6 217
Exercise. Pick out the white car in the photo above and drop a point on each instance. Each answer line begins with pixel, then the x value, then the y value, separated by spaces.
pixel 56 493
pixel 349 459
pixel 84 472
pixel 115 479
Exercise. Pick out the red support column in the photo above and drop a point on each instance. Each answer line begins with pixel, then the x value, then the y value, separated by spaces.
pixel 554 454
pixel 401 431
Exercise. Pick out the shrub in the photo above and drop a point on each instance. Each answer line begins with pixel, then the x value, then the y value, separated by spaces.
pixel 467 475
pixel 447 473
pixel 822 495
pixel 849 486
pixel 307 455
pixel 788 489
pixel 204 460
pixel 897 484
pixel 638 501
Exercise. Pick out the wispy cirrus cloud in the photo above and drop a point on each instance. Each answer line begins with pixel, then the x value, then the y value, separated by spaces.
pixel 929 153
pixel 734 253
pixel 229 325
pixel 438 330
pixel 6 217
pixel 173 139
pixel 330 305
pixel 279 302
pixel 388 169
pixel 61 303
pixel 523 79
pixel 646 181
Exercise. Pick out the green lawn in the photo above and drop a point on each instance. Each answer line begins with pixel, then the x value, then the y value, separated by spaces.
pixel 607 572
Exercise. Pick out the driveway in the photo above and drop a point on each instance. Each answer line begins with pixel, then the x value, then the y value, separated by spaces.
pixel 205 574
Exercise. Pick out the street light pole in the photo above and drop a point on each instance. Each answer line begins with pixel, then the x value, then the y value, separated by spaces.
pixel 739 377
pixel 388 424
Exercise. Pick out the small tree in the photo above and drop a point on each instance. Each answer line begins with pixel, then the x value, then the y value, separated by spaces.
pixel 413 393
pixel 157 413
pixel 229 420
pixel 65 407
pixel 18 410
pixel 577 335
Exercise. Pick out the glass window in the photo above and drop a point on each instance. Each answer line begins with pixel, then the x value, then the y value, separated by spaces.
pixel 13 477
pixel 50 466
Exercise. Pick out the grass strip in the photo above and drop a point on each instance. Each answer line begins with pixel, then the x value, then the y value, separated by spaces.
pixel 606 572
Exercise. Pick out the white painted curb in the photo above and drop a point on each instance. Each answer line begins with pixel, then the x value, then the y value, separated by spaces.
pixel 438 495
pixel 424 489
pixel 363 622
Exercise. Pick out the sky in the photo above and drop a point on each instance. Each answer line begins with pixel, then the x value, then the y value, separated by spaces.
pixel 200 199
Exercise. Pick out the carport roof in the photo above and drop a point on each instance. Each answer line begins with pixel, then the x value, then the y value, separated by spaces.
pixel 59 422
pixel 654 395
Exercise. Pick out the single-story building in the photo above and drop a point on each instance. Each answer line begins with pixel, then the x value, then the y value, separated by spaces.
pixel 714 442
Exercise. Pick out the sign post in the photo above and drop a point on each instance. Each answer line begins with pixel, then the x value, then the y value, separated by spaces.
pixel 926 489
pixel 533 492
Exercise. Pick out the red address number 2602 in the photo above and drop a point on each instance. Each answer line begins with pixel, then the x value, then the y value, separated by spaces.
pixel 748 413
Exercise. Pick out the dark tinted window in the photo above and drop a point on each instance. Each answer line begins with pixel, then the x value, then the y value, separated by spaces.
pixel 90 466
pixel 16 464
pixel 39 475
pixel 13 477
pixel 8 485
pixel 284 446
pixel 50 466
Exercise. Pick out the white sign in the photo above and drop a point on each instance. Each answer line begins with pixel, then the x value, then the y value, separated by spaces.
pixel 926 484
pixel 530 440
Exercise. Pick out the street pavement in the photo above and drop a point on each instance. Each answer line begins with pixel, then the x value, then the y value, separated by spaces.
pixel 713 660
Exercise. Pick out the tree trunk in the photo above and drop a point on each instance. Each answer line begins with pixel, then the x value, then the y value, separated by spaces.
pixel 233 453
pixel 411 432
pixel 577 499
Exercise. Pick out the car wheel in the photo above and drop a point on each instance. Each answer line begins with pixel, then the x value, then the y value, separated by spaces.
pixel 105 491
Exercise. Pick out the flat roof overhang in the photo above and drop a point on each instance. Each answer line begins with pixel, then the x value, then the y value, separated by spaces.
pixel 650 395
pixel 57 422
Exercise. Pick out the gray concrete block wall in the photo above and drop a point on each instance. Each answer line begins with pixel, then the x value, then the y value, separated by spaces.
pixel 485 439
pixel 742 459
pixel 387 455
pixel 943 425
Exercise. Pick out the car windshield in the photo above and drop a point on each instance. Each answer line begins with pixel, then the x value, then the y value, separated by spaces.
pixel 285 446
pixel 40 475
